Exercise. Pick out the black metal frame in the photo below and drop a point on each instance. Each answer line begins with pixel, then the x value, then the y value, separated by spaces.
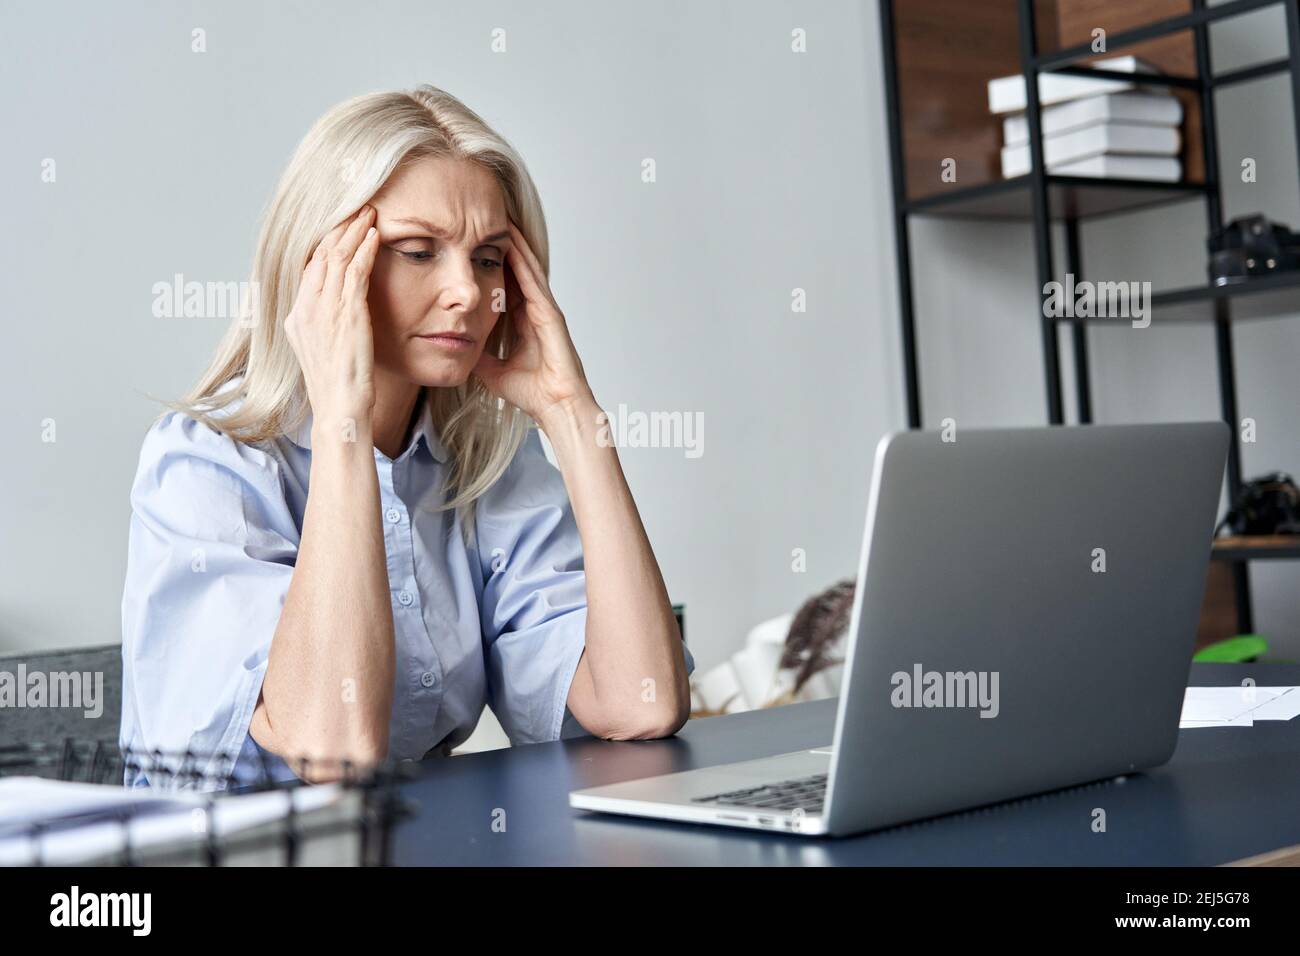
pixel 1042 221
pixel 1222 313
pixel 902 240
pixel 87 760
pixel 1040 183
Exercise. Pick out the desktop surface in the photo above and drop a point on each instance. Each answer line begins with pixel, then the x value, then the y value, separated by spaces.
pixel 1228 793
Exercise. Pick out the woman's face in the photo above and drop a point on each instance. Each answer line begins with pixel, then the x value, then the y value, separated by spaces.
pixel 443 235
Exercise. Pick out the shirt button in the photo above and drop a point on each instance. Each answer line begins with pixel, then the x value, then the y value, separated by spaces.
pixel 393 515
pixel 405 598
pixel 427 678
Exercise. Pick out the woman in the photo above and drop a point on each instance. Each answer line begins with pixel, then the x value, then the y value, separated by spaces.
pixel 347 539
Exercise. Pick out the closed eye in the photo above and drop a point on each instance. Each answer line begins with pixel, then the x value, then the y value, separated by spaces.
pixel 424 255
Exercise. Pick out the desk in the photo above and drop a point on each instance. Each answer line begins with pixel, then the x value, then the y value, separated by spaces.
pixel 1228 793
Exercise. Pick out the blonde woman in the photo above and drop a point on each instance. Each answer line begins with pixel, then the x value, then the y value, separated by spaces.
pixel 347 539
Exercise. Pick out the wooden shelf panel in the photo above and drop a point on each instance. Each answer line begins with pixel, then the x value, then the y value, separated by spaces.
pixel 1257 547
pixel 1130 28
pixel 948 50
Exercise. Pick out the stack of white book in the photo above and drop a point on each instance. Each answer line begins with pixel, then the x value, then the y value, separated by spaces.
pixel 1102 127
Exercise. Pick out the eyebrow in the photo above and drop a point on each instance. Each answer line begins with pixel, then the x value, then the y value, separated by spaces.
pixel 437 231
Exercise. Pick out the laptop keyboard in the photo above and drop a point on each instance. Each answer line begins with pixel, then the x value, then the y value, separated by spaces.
pixel 805 792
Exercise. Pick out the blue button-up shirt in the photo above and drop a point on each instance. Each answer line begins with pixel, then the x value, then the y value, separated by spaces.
pixel 214 536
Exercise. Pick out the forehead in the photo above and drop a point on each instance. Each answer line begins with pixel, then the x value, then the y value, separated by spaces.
pixel 443 188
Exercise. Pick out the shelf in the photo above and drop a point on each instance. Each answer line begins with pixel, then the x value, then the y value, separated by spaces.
pixel 1245 74
pixel 1249 73
pixel 1257 547
pixel 940 56
pixel 1153 31
pixel 1266 297
pixel 1068 196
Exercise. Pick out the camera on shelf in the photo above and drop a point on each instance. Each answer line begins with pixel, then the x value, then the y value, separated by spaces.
pixel 1251 246
pixel 1268 505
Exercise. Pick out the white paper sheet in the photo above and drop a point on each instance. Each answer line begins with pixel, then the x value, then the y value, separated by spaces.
pixel 82 818
pixel 1237 706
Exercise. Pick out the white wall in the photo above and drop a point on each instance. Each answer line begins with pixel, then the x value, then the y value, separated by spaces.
pixel 771 176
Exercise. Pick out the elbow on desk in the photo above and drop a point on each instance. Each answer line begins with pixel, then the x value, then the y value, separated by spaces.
pixel 644 723
pixel 337 765
pixel 319 761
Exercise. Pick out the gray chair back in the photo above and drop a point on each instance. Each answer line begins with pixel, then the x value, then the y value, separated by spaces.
pixel 58 695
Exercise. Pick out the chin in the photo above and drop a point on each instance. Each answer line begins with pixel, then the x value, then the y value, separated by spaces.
pixel 444 373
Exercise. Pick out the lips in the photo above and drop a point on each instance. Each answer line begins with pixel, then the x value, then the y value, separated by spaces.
pixel 461 336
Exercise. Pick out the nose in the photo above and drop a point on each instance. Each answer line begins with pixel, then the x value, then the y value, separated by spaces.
pixel 458 290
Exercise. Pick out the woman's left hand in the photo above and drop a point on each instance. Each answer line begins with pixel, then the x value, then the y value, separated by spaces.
pixel 543 374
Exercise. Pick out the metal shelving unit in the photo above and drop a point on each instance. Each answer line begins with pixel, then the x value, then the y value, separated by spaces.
pixel 1041 199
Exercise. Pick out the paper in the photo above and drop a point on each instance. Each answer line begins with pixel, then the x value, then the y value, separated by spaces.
pixel 1237 706
pixel 82 822
pixel 26 800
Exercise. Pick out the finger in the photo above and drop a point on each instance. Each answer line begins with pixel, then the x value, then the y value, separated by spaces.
pixel 518 241
pixel 332 237
pixel 514 295
pixel 528 342
pixel 313 275
pixel 530 322
pixel 524 253
pixel 320 255
pixel 522 319
pixel 339 253
pixel 357 279
pixel 525 276
pixel 339 256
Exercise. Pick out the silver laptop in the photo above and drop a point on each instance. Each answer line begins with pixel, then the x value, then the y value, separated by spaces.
pixel 1026 609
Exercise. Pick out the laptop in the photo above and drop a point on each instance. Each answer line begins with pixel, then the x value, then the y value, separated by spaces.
pixel 1025 614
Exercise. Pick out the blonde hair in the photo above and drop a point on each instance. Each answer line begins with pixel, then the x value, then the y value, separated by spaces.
pixel 342 162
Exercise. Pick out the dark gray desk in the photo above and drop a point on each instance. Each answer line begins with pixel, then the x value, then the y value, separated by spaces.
pixel 1228 793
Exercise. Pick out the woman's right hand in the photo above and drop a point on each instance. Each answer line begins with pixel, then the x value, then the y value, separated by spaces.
pixel 329 325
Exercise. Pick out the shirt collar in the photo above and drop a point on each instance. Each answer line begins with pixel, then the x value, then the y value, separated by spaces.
pixel 424 431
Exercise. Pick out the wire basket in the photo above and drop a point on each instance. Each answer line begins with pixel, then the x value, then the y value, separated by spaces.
pixel 354 828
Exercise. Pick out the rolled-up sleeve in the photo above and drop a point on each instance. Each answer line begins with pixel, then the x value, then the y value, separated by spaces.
pixel 534 606
pixel 211 551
